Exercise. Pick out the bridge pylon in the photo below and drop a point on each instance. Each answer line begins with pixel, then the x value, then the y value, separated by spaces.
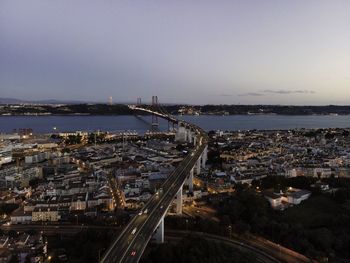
pixel 155 105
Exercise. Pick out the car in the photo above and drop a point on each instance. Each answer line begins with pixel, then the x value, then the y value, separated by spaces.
pixel 134 231
pixel 146 211
pixel 140 213
pixel 133 253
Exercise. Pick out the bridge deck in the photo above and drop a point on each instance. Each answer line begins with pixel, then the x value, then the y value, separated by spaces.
pixel 131 243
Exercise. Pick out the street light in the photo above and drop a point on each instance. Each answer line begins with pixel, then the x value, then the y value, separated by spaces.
pixel 230 230
pixel 279 249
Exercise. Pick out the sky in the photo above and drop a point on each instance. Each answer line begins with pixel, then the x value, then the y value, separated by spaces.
pixel 184 51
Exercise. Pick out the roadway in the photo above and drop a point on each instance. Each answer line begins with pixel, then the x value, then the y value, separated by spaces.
pixel 204 212
pixel 115 191
pixel 131 243
pixel 260 255
pixel 264 250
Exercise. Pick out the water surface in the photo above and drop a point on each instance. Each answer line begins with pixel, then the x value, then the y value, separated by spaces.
pixel 46 124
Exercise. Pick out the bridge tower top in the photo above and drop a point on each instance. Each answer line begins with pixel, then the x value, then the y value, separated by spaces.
pixel 155 101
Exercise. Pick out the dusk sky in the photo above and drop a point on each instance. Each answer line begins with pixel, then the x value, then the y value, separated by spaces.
pixel 190 51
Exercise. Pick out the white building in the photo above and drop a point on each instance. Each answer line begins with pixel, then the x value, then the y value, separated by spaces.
pixel 296 196
pixel 21 217
pixel 322 172
pixel 5 157
pixel 281 200
pixel 291 173
pixel 45 214
pixel 37 157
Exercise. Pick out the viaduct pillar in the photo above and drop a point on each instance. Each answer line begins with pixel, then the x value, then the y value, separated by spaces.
pixel 190 181
pixel 179 201
pixel 159 234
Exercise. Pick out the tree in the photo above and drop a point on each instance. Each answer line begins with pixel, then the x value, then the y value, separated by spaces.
pixel 301 182
pixel 322 238
pixel 34 182
pixel 340 196
pixel 242 228
pixel 214 158
pixel 8 208
pixel 346 133
pixel 211 133
pixel 13 234
pixel 329 136
pixel 14 259
pixel 32 232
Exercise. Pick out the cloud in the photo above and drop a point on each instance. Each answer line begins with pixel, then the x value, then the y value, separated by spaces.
pixel 251 94
pixel 225 95
pixel 283 92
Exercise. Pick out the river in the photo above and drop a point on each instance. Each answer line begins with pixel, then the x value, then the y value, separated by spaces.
pixel 46 124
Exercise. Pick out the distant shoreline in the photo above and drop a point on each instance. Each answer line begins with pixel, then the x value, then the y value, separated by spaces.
pixel 186 110
pixel 208 114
